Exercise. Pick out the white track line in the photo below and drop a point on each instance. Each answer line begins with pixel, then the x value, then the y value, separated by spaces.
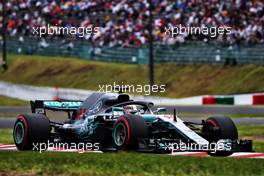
pixel 12 147
pixel 189 154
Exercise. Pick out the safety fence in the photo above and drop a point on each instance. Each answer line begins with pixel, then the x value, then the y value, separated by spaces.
pixel 186 53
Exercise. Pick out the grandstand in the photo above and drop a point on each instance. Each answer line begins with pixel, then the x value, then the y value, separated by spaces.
pixel 123 36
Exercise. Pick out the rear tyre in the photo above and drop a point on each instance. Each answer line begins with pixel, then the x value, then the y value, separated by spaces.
pixel 218 128
pixel 29 129
pixel 128 131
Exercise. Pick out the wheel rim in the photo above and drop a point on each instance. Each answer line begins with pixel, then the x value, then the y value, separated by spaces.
pixel 19 133
pixel 120 134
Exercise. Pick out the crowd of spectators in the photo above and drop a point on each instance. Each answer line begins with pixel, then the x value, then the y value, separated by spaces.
pixel 124 22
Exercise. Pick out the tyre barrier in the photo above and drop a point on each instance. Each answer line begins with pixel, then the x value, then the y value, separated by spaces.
pixel 258 99
pixel 218 100
pixel 229 100
pixel 209 100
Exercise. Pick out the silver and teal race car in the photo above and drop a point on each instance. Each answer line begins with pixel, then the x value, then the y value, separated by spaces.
pixel 112 122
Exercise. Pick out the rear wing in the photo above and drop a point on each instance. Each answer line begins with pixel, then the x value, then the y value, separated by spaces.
pixel 40 106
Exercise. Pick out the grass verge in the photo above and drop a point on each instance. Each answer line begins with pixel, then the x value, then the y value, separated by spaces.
pixel 7 101
pixel 132 164
pixel 6 136
pixel 180 80
pixel 254 133
pixel 126 163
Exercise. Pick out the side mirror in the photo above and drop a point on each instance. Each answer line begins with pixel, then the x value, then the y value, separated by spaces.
pixel 158 110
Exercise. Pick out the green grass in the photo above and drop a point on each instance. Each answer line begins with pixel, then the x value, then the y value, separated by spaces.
pixel 130 164
pixel 6 136
pixel 125 163
pixel 248 130
pixel 258 146
pixel 180 80
pixel 7 101
pixel 255 133
pixel 243 115
pixel 8 114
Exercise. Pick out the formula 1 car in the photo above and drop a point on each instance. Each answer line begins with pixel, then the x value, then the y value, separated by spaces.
pixel 115 122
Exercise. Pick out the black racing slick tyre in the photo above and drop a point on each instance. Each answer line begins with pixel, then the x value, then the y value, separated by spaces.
pixel 218 128
pixel 29 129
pixel 128 131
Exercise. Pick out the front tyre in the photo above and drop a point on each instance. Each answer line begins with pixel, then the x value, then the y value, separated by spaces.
pixel 128 131
pixel 217 128
pixel 29 129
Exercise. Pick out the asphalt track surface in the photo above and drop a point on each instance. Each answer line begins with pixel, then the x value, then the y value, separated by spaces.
pixel 238 155
pixel 190 109
pixel 257 110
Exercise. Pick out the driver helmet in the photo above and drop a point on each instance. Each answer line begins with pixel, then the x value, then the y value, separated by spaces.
pixel 128 109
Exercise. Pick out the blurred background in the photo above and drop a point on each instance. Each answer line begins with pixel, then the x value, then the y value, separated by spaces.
pixel 124 34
